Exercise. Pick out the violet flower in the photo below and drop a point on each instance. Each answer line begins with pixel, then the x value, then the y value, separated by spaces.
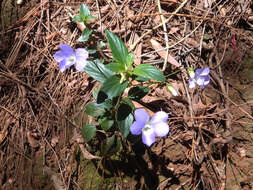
pixel 66 57
pixel 200 77
pixel 149 128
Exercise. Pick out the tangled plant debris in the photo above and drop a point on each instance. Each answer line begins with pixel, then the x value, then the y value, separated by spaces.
pixel 134 56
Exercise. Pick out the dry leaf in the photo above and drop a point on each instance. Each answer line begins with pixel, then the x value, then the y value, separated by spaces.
pixel 2 136
pixel 58 184
pixel 157 46
pixel 81 26
pixel 197 105
pixel 139 106
pixel 34 143
pixel 78 138
pixel 138 51
pixel 54 141
pixel 173 30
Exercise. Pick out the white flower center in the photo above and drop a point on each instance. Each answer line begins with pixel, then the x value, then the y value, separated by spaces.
pixel 71 60
pixel 147 127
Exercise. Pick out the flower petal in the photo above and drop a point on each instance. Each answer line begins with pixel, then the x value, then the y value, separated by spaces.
pixel 64 52
pixel 158 117
pixel 141 115
pixel 136 127
pixel 148 136
pixel 80 65
pixel 81 59
pixel 66 49
pixel 82 53
pixel 63 65
pixel 202 72
pixel 202 80
pixel 207 80
pixel 161 129
pixel 192 83
pixel 59 56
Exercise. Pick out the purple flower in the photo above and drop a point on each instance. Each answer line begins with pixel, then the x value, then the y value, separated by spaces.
pixel 200 77
pixel 67 57
pixel 149 128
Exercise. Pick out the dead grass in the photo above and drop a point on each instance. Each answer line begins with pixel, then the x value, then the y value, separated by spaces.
pixel 38 104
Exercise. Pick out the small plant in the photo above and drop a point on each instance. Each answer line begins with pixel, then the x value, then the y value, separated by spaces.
pixel 83 17
pixel 113 108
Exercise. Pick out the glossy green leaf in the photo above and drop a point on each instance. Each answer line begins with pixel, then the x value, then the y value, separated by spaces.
pixel 141 79
pixel 91 51
pixel 130 59
pixel 94 109
pixel 106 124
pixel 88 132
pixel 90 17
pixel 107 104
pixel 124 125
pixel 95 92
pixel 138 92
pixel 149 71
pixel 97 70
pixel 112 87
pixel 125 117
pixel 85 35
pixel 118 48
pixel 111 146
pixel 84 12
pixel 116 67
pixel 77 19
pixel 101 44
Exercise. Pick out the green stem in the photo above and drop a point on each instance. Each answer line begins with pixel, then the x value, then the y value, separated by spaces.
pixel 175 72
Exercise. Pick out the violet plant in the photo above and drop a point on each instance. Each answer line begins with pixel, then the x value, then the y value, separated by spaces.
pixel 200 77
pixel 150 128
pixel 111 109
pixel 66 57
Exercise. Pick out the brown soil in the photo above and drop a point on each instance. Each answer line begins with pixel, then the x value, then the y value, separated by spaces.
pixel 210 145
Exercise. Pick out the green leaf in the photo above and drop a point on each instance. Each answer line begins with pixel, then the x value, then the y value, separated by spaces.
pixel 84 12
pixel 106 124
pixel 77 19
pixel 85 35
pixel 112 87
pixel 149 71
pixel 107 104
pixel 98 71
pixel 125 117
pixel 124 125
pixel 95 92
pixel 118 48
pixel 111 146
pixel 130 59
pixel 88 132
pixel 141 79
pixel 91 51
pixel 90 17
pixel 116 67
pixel 101 44
pixel 95 109
pixel 138 92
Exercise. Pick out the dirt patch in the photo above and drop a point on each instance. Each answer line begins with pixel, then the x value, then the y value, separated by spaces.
pixel 42 110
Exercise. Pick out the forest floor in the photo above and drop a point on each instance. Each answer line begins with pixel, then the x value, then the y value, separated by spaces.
pixel 210 144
